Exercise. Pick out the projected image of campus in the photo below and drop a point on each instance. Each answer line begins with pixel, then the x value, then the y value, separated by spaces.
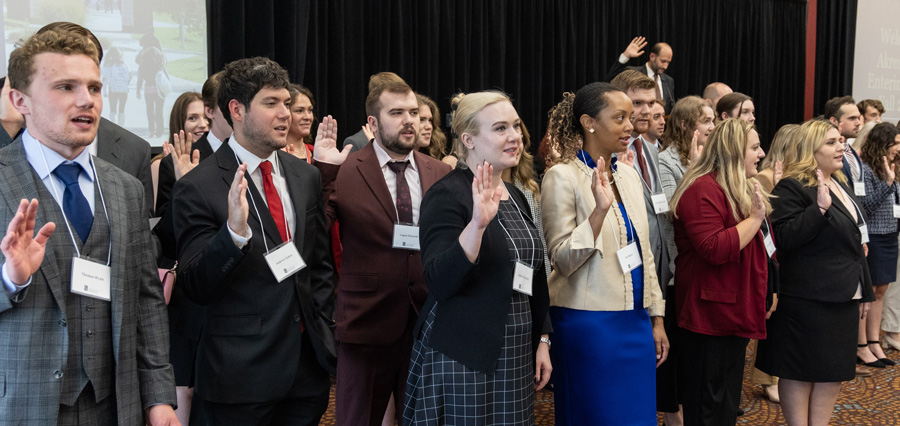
pixel 152 52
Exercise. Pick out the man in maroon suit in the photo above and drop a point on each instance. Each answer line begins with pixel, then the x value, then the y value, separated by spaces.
pixel 375 194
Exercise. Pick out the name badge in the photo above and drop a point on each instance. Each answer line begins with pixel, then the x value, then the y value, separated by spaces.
pixel 284 260
pixel 859 188
pixel 864 233
pixel 770 245
pixel 522 278
pixel 406 237
pixel 90 278
pixel 897 211
pixel 660 204
pixel 629 257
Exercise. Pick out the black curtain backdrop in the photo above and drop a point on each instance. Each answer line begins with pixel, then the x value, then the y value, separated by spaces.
pixel 532 49
pixel 835 48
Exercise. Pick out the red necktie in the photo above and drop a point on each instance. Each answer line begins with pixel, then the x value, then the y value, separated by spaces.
pixel 404 199
pixel 273 199
pixel 639 156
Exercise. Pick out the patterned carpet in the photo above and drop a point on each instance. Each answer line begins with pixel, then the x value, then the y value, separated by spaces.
pixel 866 401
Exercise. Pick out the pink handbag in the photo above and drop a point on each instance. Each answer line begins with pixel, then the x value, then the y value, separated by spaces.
pixel 167 277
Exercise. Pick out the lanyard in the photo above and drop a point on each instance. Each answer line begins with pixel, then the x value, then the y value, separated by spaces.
pixel 66 218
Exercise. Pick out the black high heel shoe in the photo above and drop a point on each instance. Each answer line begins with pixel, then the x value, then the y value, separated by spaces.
pixel 885 361
pixel 874 364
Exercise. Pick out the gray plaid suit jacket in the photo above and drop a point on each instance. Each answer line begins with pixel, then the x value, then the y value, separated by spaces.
pixel 33 338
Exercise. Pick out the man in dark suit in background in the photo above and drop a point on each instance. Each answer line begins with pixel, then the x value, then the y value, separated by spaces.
pixel 11 121
pixel 86 341
pixel 375 195
pixel 254 248
pixel 655 68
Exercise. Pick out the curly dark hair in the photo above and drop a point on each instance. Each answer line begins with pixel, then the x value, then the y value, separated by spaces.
pixel 880 140
pixel 566 132
pixel 242 79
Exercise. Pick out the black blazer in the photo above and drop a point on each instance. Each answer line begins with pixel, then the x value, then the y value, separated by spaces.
pixel 667 81
pixel 127 151
pixel 474 298
pixel 250 346
pixel 820 256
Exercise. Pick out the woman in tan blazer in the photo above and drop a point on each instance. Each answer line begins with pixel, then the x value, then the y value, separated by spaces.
pixel 594 217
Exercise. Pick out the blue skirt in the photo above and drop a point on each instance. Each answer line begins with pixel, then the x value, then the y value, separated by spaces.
pixel 604 367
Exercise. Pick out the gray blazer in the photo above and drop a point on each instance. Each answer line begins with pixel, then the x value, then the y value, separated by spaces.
pixel 357 140
pixel 128 152
pixel 33 337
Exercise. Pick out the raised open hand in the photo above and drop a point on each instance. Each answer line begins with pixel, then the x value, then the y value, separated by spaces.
pixel 625 157
pixel 757 208
pixel 636 47
pixel 23 250
pixel 326 150
pixel 696 148
pixel 601 188
pixel 485 197
pixel 890 171
pixel 823 198
pixel 238 209
pixel 183 159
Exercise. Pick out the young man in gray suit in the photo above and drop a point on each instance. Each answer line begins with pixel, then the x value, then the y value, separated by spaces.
pixel 83 323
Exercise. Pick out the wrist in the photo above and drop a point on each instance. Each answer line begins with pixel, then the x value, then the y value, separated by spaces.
pixel 545 340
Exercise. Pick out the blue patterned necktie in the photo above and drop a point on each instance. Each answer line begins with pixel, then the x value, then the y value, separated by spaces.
pixel 76 207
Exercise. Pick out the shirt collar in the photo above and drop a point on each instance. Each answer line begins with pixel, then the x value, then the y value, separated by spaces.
pixel 650 72
pixel 214 142
pixel 33 149
pixel 384 157
pixel 251 159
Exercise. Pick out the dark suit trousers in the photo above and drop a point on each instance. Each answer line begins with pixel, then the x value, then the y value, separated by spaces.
pixel 304 404
pixel 709 377
pixel 87 411
pixel 366 377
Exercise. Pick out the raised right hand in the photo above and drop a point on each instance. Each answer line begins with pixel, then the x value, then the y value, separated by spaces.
pixel 23 250
pixel 325 150
pixel 890 171
pixel 238 209
pixel 757 208
pixel 636 47
pixel 696 148
pixel 823 198
pixel 485 196
pixel 183 160
pixel 601 188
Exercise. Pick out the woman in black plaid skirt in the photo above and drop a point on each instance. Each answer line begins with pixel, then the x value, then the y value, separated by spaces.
pixel 479 353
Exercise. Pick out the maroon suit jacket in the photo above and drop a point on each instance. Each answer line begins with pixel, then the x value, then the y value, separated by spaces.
pixel 720 288
pixel 379 286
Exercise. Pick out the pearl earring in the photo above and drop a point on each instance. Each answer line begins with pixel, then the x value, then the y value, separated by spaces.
pixel 592 130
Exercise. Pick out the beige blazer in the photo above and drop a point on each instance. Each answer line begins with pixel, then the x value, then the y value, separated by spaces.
pixel 586 273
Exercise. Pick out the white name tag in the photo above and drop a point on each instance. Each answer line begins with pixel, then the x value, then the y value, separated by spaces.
pixel 770 245
pixel 859 188
pixel 629 257
pixel 284 260
pixel 522 278
pixel 864 233
pixel 660 204
pixel 90 278
pixel 406 237
pixel 897 210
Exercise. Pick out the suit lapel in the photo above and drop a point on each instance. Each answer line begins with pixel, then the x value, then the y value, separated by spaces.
pixel 367 164
pixel 427 174
pixel 203 146
pixel 20 181
pixel 108 146
pixel 836 202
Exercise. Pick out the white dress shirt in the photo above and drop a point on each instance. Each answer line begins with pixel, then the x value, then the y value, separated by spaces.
pixel 659 83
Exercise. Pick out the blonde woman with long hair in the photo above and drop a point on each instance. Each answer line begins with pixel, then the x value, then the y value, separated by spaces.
pixel 811 344
pixel 721 270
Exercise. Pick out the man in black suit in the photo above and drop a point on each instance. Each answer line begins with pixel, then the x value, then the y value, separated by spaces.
pixel 11 121
pixel 250 228
pixel 655 68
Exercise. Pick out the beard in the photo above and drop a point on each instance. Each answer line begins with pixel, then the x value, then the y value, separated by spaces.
pixel 258 135
pixel 394 144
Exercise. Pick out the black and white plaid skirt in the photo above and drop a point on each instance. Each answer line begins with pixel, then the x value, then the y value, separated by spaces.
pixel 442 391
